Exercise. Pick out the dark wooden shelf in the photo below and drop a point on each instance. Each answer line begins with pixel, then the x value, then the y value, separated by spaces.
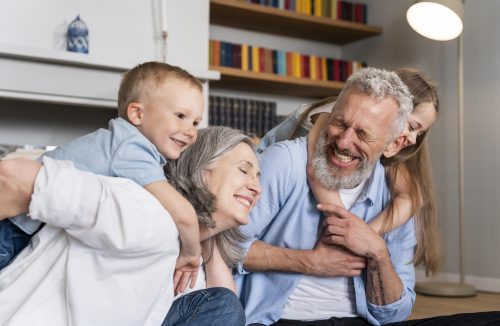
pixel 266 19
pixel 233 78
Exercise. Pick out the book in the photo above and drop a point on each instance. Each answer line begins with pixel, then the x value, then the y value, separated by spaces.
pixel 244 57
pixel 236 55
pixel 255 59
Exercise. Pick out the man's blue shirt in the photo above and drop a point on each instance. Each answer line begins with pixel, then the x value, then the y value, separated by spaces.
pixel 286 216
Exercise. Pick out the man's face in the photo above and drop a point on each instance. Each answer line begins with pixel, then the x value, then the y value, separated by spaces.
pixel 358 133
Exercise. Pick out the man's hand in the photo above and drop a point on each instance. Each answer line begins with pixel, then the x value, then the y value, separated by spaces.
pixel 332 260
pixel 349 231
pixel 17 178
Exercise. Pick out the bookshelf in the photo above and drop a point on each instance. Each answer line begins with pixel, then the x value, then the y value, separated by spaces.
pixel 244 15
pixel 234 78
pixel 250 16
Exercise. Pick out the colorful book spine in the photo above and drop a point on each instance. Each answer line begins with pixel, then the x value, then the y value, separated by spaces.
pixel 279 62
pixel 334 9
pixel 255 59
pixel 244 57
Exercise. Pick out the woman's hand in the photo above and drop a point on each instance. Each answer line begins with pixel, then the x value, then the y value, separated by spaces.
pixel 17 178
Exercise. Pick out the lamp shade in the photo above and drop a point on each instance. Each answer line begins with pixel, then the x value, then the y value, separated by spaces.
pixel 439 20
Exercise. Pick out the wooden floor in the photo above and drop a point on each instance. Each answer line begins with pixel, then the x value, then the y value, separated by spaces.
pixel 427 306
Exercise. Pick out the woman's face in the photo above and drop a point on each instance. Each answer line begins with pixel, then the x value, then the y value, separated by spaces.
pixel 234 180
pixel 421 119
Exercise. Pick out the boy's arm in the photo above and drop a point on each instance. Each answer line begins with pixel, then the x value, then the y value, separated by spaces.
pixel 218 273
pixel 182 213
pixel 322 194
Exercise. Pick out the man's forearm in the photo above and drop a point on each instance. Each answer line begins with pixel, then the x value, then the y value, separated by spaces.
pixel 323 260
pixel 264 257
pixel 383 285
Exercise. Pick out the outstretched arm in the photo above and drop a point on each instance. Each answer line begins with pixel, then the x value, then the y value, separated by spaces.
pixel 17 178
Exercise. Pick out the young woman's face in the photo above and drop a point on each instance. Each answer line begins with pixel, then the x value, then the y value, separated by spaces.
pixel 421 119
pixel 234 180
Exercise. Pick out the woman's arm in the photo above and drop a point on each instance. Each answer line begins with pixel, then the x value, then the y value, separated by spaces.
pixel 17 178
pixel 402 206
pixel 217 273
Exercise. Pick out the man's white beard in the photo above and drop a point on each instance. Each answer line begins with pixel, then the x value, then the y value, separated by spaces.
pixel 327 174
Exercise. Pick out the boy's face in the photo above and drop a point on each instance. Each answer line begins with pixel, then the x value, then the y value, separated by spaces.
pixel 170 117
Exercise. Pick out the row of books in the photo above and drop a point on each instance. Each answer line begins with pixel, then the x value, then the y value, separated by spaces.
pixel 251 116
pixel 335 9
pixel 280 62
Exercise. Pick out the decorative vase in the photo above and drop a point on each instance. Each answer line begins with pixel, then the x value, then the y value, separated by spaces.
pixel 78 36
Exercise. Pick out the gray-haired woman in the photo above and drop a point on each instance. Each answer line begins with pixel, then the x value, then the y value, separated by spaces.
pixel 108 250
pixel 219 175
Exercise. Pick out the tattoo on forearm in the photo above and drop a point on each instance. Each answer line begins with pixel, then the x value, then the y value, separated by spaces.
pixel 377 290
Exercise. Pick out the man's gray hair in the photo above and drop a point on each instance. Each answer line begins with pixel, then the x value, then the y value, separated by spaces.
pixel 382 84
pixel 186 175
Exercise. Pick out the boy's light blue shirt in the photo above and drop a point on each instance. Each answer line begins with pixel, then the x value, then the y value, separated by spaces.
pixel 286 216
pixel 119 151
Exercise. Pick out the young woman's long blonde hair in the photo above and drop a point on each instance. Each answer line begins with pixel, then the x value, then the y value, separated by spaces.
pixel 413 164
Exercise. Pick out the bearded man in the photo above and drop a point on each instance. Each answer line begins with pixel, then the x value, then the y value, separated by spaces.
pixel 287 276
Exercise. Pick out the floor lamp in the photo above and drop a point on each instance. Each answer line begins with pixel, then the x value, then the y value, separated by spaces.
pixel 441 20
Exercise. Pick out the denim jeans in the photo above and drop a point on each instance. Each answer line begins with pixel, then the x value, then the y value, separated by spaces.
pixel 12 241
pixel 207 307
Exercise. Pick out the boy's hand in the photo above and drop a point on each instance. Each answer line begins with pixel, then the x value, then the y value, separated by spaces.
pixel 186 272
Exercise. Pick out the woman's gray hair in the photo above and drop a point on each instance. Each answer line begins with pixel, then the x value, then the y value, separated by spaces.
pixel 382 84
pixel 186 175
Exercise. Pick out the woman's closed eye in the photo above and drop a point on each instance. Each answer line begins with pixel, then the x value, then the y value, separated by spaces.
pixel 245 171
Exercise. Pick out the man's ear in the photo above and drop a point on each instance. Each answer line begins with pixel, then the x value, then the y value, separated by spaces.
pixel 397 145
pixel 135 112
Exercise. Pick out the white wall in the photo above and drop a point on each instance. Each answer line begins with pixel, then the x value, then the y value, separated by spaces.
pixel 120 31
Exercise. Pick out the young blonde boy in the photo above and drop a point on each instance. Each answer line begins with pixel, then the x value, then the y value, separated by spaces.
pixel 159 107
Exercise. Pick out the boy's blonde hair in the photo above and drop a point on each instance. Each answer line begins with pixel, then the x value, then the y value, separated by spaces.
pixel 142 81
